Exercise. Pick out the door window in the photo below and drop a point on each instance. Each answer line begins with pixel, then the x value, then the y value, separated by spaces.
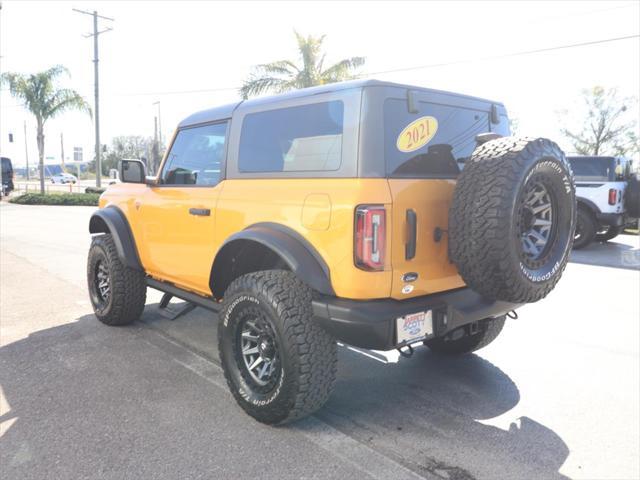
pixel 196 156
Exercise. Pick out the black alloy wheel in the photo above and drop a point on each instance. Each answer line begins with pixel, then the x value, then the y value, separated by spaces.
pixel 536 223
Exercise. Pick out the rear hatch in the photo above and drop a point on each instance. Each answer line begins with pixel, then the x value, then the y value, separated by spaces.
pixel 428 135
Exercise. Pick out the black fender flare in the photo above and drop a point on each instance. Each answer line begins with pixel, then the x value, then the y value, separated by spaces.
pixel 113 221
pixel 299 255
pixel 588 204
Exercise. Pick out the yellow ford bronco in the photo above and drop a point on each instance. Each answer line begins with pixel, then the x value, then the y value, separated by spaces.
pixel 375 214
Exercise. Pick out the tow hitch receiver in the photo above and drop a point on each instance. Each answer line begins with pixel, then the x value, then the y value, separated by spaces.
pixel 406 351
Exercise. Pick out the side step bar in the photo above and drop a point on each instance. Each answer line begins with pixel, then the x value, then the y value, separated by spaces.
pixel 199 300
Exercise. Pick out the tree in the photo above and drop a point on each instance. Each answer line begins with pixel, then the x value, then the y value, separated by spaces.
pixel 286 75
pixel 44 100
pixel 126 146
pixel 607 128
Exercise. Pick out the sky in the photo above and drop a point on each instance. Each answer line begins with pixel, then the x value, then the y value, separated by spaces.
pixel 191 56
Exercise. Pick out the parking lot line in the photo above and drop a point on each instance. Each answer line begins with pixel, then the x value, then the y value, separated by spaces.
pixel 369 461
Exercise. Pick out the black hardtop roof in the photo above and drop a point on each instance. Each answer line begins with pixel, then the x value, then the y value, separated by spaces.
pixel 225 111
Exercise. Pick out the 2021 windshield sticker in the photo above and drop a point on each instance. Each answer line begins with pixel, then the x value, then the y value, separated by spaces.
pixel 417 134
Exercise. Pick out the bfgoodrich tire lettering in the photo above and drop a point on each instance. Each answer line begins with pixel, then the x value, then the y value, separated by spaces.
pixel 117 292
pixel 512 220
pixel 275 307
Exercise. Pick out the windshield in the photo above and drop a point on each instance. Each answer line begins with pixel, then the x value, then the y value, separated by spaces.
pixel 590 169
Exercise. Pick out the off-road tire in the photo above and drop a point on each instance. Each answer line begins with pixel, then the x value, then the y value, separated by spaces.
pixel 486 218
pixel 128 289
pixel 609 234
pixel 307 353
pixel 586 229
pixel 454 344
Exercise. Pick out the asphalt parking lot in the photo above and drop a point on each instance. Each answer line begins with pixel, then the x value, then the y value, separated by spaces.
pixel 556 396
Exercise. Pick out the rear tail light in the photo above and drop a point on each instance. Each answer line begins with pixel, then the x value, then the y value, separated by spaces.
pixel 370 237
pixel 612 196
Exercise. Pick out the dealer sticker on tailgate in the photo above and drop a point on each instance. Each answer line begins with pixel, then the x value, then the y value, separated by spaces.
pixel 414 327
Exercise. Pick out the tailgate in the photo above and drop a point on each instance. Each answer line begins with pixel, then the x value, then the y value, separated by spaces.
pixel 426 142
pixel 429 199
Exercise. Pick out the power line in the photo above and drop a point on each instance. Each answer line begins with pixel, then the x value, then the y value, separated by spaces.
pixel 578 14
pixel 505 55
pixel 406 69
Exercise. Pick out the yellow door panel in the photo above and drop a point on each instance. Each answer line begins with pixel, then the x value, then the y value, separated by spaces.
pixel 321 210
pixel 430 199
pixel 175 235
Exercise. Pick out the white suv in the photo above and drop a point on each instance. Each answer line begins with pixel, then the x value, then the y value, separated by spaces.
pixel 607 194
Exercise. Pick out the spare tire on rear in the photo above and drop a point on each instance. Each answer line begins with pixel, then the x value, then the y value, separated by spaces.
pixel 512 220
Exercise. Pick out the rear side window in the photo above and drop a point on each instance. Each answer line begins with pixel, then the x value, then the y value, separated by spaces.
pixel 196 156
pixel 589 169
pixel 294 139
pixel 443 155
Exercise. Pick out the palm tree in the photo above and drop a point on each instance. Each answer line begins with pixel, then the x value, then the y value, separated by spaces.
pixel 44 100
pixel 285 75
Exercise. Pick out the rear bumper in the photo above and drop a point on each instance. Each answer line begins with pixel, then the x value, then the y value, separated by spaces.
pixel 611 219
pixel 371 323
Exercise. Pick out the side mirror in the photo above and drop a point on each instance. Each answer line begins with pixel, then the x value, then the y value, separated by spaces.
pixel 132 171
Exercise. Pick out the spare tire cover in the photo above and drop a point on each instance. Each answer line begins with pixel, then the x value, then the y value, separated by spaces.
pixel 512 219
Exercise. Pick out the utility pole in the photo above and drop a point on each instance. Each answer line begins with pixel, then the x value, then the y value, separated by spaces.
pixel 26 150
pixel 96 107
pixel 62 152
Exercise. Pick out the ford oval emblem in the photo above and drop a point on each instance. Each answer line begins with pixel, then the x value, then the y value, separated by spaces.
pixel 410 277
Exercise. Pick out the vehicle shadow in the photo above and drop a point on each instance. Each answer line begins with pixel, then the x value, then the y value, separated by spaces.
pixel 622 252
pixel 428 410
pixel 67 394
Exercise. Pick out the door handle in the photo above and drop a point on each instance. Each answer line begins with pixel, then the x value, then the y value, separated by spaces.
pixel 204 212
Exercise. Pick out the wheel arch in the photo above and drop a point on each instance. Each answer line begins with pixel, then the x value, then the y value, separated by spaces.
pixel 588 205
pixel 113 221
pixel 264 246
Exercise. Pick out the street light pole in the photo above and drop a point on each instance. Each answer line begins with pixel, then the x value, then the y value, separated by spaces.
pixel 62 152
pixel 26 150
pixel 95 34
pixel 159 122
